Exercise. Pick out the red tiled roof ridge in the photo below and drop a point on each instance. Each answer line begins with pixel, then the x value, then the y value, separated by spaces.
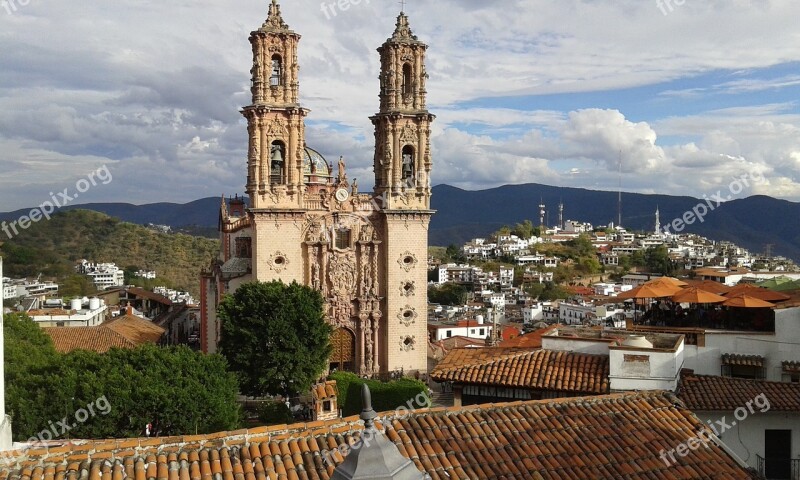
pixel 286 432
pixel 611 436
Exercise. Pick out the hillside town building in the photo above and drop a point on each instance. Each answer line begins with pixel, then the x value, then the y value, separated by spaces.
pixel 306 220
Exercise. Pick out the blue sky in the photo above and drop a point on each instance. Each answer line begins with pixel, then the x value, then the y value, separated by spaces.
pixel 549 92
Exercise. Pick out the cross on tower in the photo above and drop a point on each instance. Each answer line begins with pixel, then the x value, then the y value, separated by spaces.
pixel 402 6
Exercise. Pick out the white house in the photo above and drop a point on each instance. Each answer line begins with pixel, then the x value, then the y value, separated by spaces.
pixel 103 275
pixel 477 329
pixel 81 313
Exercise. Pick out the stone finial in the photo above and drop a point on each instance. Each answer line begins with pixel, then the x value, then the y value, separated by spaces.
pixel 367 412
pixel 402 30
pixel 274 19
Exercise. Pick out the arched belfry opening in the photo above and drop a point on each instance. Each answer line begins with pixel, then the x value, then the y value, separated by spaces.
pixel 276 77
pixel 409 164
pixel 408 84
pixel 277 157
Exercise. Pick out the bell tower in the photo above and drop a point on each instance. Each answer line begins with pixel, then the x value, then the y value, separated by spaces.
pixel 402 160
pixel 275 120
pixel 402 167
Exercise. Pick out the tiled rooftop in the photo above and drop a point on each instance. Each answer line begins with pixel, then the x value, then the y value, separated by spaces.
pixel 125 332
pixel 538 369
pixel 529 340
pixel 604 437
pixel 711 393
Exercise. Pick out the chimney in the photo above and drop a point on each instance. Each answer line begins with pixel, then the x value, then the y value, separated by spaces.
pixel 129 309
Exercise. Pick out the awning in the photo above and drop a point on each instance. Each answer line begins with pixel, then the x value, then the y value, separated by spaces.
pixel 790 367
pixel 735 360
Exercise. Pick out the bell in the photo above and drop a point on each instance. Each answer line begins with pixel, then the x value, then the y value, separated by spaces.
pixel 277 156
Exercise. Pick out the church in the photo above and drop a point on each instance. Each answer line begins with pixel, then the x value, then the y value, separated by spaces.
pixel 305 220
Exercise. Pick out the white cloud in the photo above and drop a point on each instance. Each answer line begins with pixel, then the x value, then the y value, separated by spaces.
pixel 154 88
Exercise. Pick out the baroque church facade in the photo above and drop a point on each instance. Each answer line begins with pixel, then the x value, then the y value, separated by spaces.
pixel 304 220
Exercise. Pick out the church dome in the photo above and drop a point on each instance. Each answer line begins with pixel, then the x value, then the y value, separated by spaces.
pixel 315 164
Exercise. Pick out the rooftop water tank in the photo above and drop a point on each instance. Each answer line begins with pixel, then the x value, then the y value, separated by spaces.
pixel 75 304
pixel 638 341
pixel 94 303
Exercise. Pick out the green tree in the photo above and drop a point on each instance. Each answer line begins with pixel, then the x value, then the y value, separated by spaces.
pixel 181 390
pixel 455 254
pixel 275 337
pixel 274 413
pixel 525 230
pixel 657 260
pixel 448 294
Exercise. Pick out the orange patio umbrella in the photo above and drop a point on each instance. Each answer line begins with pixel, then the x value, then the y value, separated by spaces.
pixel 697 295
pixel 756 292
pixel 648 291
pixel 669 281
pixel 746 301
pixel 711 286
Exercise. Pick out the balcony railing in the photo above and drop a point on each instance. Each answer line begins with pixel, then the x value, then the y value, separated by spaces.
pixel 779 468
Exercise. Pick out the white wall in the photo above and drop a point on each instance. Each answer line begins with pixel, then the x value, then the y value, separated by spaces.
pixel 660 372
pixel 783 345
pixel 577 345
pixel 746 438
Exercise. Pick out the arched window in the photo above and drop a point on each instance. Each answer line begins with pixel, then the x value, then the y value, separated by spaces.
pixel 408 87
pixel 277 162
pixel 409 164
pixel 276 78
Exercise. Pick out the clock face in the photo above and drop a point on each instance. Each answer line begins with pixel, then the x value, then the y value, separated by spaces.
pixel 342 194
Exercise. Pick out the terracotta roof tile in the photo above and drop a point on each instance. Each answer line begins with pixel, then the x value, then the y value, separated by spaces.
pixel 538 369
pixel 790 367
pixel 601 437
pixel 529 340
pixel 126 332
pixel 712 393
pixel 742 360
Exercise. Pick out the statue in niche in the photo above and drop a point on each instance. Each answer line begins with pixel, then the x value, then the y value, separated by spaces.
pixel 314 232
pixel 366 233
pixel 315 278
pixel 369 349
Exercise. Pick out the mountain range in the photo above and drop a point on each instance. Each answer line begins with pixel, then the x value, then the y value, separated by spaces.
pixel 754 223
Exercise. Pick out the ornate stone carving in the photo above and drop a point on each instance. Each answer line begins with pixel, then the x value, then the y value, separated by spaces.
pixel 342 274
pixel 408 342
pixel 278 262
pixel 407 261
pixel 409 135
pixel 408 315
pixel 277 129
pixel 408 289
pixel 367 233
